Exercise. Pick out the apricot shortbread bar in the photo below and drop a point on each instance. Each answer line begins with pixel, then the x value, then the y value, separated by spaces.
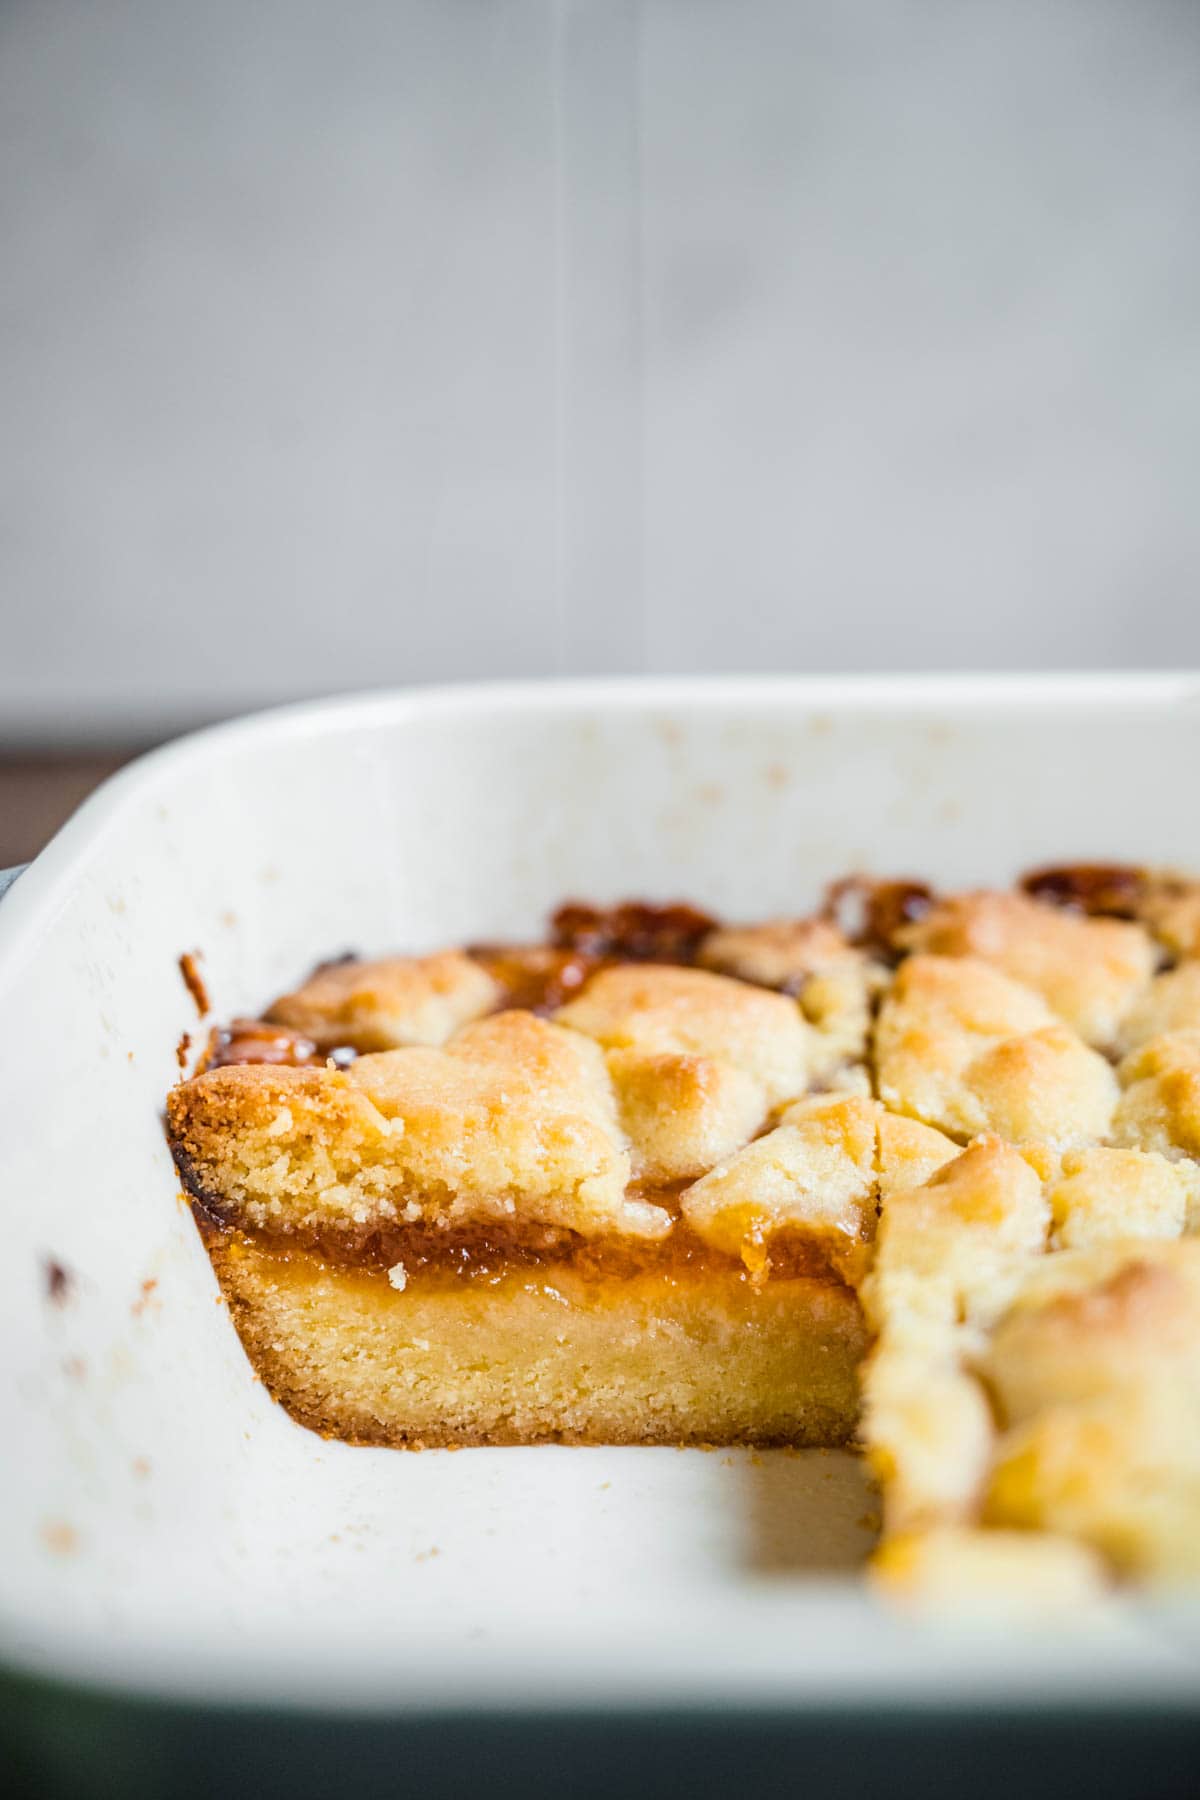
pixel 919 1171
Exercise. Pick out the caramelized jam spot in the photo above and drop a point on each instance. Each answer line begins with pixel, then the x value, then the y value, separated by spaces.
pixel 872 912
pixel 633 931
pixel 537 978
pixel 1108 890
pixel 255 1041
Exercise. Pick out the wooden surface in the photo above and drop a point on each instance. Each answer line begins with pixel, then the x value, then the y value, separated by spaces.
pixel 39 793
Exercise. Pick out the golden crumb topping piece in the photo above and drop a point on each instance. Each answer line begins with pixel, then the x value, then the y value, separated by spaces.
pixel 1171 908
pixel 839 1005
pixel 1170 1003
pixel 815 1181
pixel 967 1049
pixel 954 1251
pixel 682 1114
pixel 813 1178
pixel 1160 1106
pixel 1119 1473
pixel 660 1010
pixel 1096 1372
pixel 1087 1322
pixel 949 1255
pixel 835 981
pixel 908 1152
pixel 515 1111
pixel 1088 971
pixel 384 1005
pixel 779 953
pixel 1003 1574
pixel 514 1121
pixel 1106 1195
pixel 928 1429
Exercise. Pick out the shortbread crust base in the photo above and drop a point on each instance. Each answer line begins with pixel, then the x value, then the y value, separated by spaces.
pixel 537 1356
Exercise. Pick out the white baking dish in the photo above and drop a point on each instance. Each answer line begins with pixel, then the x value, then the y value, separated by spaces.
pixel 165 1527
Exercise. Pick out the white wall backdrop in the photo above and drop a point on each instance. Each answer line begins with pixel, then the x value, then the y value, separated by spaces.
pixel 346 344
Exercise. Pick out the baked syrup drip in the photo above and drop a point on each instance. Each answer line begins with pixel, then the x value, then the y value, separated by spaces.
pixel 189 968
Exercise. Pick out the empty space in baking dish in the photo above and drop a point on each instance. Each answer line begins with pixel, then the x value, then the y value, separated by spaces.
pixel 165 1525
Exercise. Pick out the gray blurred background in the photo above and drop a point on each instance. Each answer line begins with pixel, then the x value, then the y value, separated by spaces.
pixel 352 344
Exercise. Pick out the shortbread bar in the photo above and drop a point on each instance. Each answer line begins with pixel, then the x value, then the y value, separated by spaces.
pixel 920 1171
